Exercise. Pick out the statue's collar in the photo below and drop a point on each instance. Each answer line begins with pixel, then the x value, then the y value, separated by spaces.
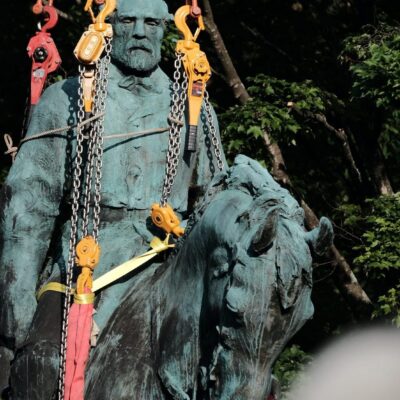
pixel 142 86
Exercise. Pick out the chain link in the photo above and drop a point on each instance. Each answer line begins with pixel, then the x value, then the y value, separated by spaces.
pixel 176 120
pixel 179 95
pixel 213 131
pixel 93 163
pixel 88 176
pixel 100 107
pixel 95 145
pixel 95 160
pixel 76 184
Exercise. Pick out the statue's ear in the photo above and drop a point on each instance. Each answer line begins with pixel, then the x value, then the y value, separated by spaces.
pixel 320 239
pixel 169 17
pixel 266 233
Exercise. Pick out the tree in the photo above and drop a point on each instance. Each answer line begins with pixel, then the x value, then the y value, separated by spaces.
pixel 310 89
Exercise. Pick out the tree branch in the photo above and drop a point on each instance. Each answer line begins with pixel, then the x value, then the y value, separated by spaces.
pixel 339 133
pixel 65 16
pixel 278 162
pixel 258 35
pixel 379 173
pixel 344 278
pixel 235 83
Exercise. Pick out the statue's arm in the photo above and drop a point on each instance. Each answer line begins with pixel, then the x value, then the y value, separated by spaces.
pixel 30 203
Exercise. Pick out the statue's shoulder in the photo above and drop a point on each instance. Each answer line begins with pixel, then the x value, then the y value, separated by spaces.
pixel 61 93
pixel 56 108
pixel 165 81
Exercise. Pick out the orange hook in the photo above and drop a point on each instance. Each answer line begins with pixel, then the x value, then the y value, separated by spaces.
pixel 197 69
pixel 87 257
pixel 180 22
pixel 99 21
pixel 92 43
pixel 166 219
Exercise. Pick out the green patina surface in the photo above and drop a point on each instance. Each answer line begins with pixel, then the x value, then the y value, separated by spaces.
pixel 39 184
pixel 173 308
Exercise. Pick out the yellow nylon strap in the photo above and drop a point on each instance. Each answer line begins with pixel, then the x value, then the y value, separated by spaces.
pixel 54 287
pixel 86 298
pixel 157 246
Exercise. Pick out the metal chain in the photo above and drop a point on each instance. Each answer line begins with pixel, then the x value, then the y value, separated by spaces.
pixel 213 130
pixel 88 181
pixel 179 95
pixel 100 107
pixel 95 145
pixel 94 162
pixel 76 182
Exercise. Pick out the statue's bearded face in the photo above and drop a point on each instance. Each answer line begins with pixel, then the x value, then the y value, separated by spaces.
pixel 138 31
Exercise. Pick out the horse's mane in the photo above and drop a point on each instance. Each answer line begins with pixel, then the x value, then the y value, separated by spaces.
pixel 247 177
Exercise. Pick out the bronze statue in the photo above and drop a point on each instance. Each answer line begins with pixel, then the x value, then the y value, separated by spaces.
pixel 211 319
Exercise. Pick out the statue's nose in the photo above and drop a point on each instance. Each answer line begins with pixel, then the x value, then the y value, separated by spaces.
pixel 139 29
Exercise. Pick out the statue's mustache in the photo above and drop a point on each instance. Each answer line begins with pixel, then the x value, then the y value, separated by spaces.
pixel 140 45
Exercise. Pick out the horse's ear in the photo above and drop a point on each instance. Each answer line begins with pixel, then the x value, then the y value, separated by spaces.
pixel 266 233
pixel 321 237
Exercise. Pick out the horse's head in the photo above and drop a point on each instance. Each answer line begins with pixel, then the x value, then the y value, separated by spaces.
pixel 259 276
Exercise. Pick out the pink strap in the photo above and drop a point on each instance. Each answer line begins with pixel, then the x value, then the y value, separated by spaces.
pixel 78 346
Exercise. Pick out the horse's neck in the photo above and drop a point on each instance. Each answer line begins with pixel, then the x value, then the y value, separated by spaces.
pixel 201 256
pixel 190 263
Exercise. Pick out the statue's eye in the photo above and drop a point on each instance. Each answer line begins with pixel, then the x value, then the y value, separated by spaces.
pixel 152 22
pixel 127 20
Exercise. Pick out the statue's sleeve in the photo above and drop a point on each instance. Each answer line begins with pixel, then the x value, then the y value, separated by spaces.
pixel 30 203
pixel 207 165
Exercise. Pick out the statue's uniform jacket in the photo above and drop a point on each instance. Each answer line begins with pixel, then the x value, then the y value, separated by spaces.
pixel 35 225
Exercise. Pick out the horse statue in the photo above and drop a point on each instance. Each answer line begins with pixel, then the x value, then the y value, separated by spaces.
pixel 211 320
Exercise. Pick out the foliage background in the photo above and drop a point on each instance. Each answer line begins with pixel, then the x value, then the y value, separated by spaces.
pixel 314 69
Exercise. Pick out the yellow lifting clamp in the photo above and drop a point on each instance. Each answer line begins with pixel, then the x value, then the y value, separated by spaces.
pixel 91 45
pixel 87 257
pixel 166 219
pixel 197 69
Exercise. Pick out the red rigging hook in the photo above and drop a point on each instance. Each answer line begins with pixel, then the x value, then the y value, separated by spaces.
pixel 38 6
pixel 42 50
pixel 50 13
pixel 195 10
pixel 51 18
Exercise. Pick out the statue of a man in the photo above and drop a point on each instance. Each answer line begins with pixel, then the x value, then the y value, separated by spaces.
pixel 35 221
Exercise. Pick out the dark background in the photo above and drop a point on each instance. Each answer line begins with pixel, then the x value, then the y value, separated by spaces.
pixel 290 41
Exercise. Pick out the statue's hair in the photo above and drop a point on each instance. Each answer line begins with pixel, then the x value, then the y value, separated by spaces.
pixel 168 17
